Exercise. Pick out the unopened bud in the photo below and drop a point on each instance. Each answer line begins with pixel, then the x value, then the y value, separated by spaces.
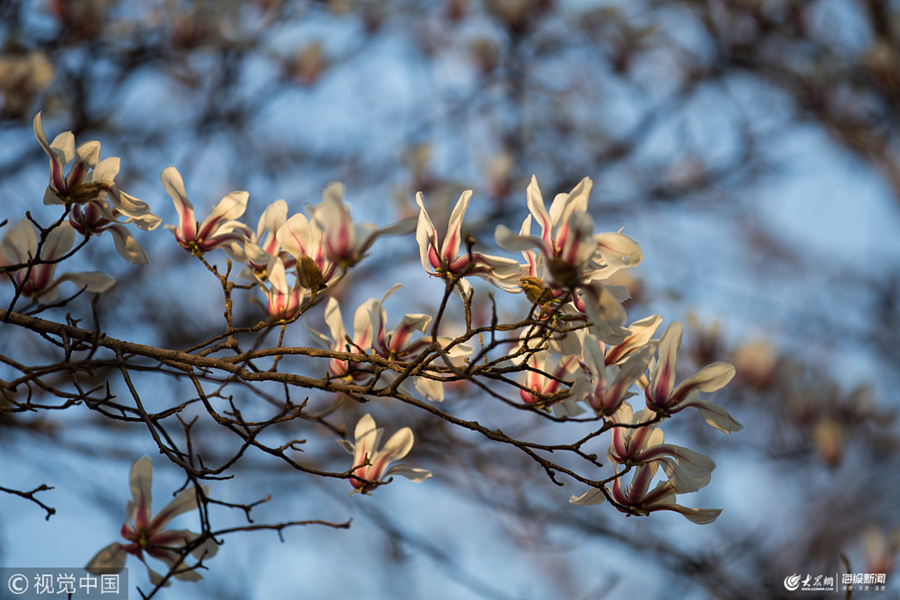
pixel 308 273
pixel 534 289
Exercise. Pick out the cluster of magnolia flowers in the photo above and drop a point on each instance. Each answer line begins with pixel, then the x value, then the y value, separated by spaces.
pixel 583 361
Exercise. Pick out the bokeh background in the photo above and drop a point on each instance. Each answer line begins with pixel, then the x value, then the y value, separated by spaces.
pixel 752 147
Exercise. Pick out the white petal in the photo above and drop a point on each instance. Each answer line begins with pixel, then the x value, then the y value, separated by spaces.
pixel 94 282
pixel 58 242
pixel 127 246
pixel 398 446
pixel 183 502
pixel 431 389
pixel 416 475
pixel 108 561
pixel 713 414
pixel 348 447
pixel 590 497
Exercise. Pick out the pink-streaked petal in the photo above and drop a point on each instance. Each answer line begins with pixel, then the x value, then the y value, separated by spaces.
pixel 409 325
pixel 60 152
pixel 228 209
pixel 87 155
pixel 110 560
pixel 272 219
pixel 641 332
pixel 340 234
pixel 426 235
pixel 536 207
pixel 174 186
pixel 454 235
pixel 663 377
pixel 576 201
pixel 141 479
pixel 277 277
pixel 578 245
pixel 127 246
pixel 633 368
pixel 256 256
pixel 367 436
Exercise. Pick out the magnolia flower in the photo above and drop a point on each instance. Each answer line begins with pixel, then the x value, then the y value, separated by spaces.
pixel 147 534
pixel 639 499
pixel 604 387
pixel 662 399
pixel 283 301
pixel 19 247
pixel 359 343
pixel 370 465
pixel 96 216
pixel 81 185
pixel 370 335
pixel 573 259
pixel 302 238
pixel 264 246
pixel 502 272
pixel 345 243
pixel 219 230
pixel 540 385
pixel 638 445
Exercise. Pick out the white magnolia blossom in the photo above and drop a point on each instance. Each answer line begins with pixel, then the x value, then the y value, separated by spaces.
pixel 572 260
pixel 371 336
pixel 147 533
pixel 663 399
pixel 221 229
pixel 371 464
pixel 90 190
pixel 36 281
pixel 344 242
pixel 444 260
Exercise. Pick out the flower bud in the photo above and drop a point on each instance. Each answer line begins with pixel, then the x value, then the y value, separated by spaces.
pixel 308 273
pixel 534 290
